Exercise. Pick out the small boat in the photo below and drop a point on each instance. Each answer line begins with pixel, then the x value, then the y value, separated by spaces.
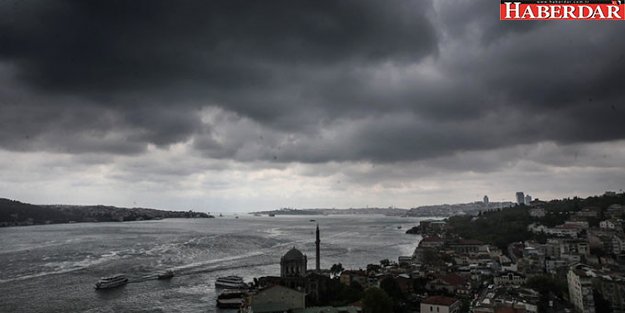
pixel 230 282
pixel 313 220
pixel 166 274
pixel 398 227
pixel 221 215
pixel 272 215
pixel 111 282
pixel 230 299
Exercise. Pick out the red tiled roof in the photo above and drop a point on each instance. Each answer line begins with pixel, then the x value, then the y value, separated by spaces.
pixel 439 300
pixel 454 279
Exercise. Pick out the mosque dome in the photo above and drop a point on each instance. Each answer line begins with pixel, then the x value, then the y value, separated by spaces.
pixel 293 255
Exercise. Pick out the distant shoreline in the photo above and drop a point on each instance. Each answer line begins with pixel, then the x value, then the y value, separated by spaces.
pixel 14 213
pixel 443 210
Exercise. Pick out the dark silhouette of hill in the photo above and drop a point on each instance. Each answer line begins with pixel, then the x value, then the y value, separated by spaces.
pixel 16 213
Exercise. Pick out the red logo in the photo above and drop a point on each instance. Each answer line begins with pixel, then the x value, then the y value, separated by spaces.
pixel 510 10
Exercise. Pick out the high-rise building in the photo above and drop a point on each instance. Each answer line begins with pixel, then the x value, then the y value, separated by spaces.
pixel 520 198
pixel 579 280
pixel 528 199
pixel 486 200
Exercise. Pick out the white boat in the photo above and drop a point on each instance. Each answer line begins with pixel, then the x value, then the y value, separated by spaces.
pixel 111 282
pixel 230 299
pixel 230 282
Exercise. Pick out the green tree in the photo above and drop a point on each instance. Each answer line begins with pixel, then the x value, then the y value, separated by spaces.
pixel 373 267
pixel 601 304
pixel 546 285
pixel 391 288
pixel 465 307
pixel 351 293
pixel 336 269
pixel 376 301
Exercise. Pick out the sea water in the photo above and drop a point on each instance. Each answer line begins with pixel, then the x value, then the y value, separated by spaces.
pixel 52 268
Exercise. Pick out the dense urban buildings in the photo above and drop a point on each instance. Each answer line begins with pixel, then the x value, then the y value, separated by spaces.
pixel 556 257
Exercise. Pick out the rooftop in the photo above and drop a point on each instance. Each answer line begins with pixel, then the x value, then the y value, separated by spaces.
pixel 439 300
pixel 432 239
pixel 454 279
pixel 293 254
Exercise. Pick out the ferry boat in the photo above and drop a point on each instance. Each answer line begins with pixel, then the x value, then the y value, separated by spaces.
pixel 230 299
pixel 111 282
pixel 230 282
pixel 166 274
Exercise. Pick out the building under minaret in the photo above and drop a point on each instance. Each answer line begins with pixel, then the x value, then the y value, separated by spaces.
pixel 318 259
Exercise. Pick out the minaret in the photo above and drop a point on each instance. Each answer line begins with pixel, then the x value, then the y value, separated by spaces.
pixel 317 242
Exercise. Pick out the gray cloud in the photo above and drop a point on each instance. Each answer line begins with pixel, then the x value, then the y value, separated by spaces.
pixel 301 81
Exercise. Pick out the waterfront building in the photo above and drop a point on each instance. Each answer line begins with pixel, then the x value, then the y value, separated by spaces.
pixel 431 242
pixel 276 299
pixel 432 226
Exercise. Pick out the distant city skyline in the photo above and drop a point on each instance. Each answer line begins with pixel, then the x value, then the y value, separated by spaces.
pixel 223 107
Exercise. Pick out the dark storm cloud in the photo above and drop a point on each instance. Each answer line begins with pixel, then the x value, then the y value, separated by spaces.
pixel 142 61
pixel 304 81
pixel 108 46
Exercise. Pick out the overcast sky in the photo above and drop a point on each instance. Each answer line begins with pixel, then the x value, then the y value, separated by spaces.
pixel 240 105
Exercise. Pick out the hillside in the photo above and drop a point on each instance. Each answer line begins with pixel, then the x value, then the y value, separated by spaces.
pixel 502 227
pixel 15 213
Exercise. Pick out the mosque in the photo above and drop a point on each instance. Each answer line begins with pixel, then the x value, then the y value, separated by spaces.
pixel 294 263
pixel 294 273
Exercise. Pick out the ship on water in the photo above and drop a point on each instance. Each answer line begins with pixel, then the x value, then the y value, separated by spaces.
pixel 230 282
pixel 166 274
pixel 111 282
